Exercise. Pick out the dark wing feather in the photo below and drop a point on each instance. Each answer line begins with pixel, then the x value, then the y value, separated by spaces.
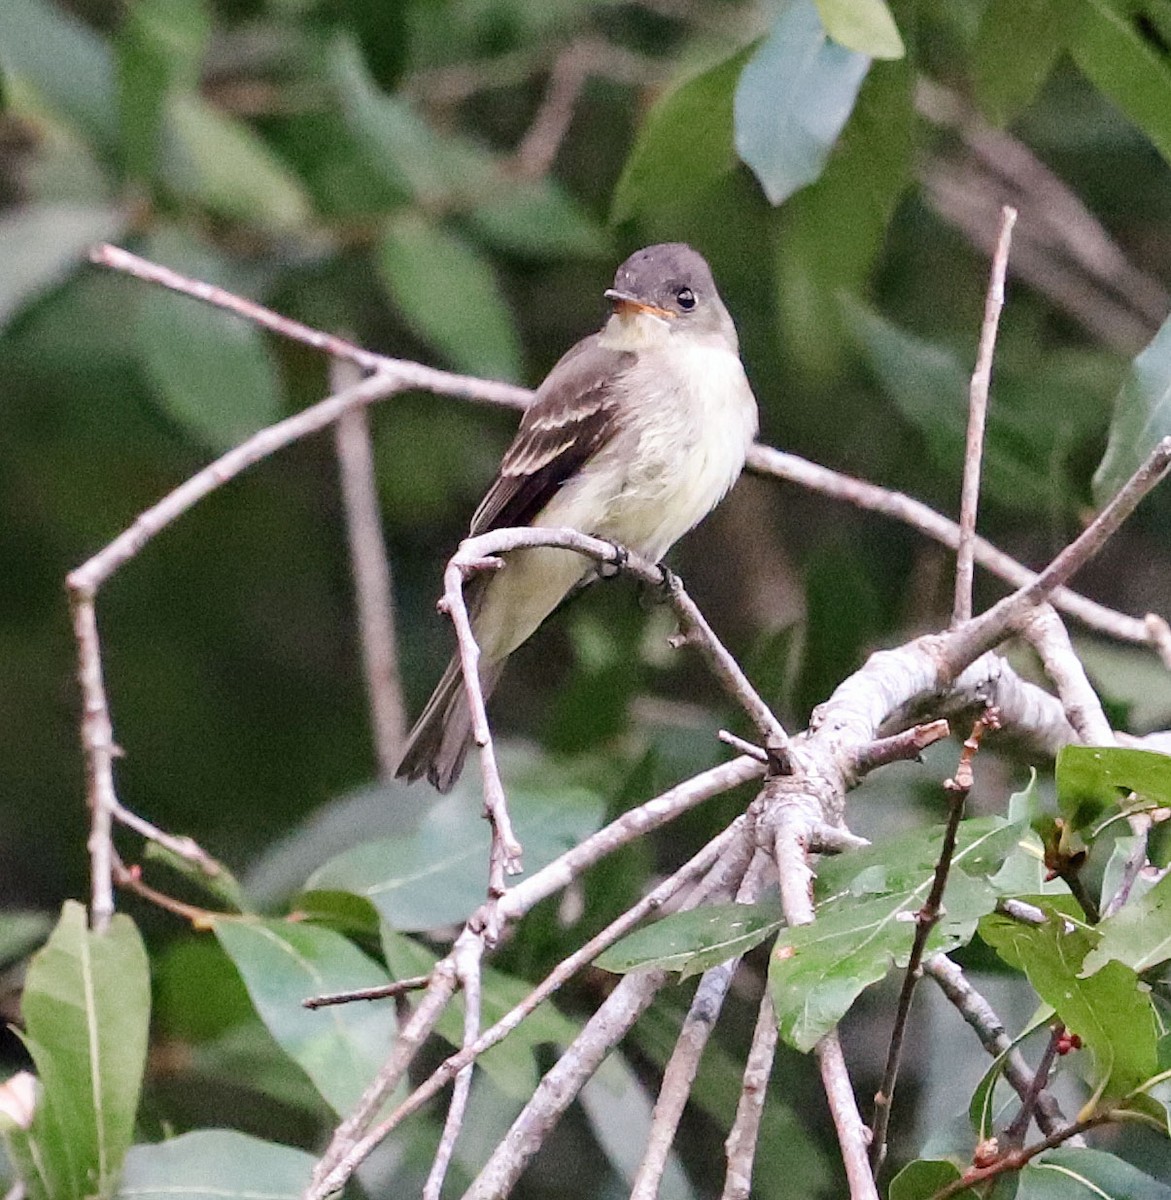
pixel 572 416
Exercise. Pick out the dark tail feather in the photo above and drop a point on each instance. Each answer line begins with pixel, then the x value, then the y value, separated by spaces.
pixel 442 736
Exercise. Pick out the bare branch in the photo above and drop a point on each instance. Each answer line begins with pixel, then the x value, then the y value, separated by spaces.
pixel 984 631
pixel 373 587
pixel 900 746
pixel 679 1073
pixel 765 460
pixel 468 952
pixel 977 411
pixel 383 991
pixel 740 1145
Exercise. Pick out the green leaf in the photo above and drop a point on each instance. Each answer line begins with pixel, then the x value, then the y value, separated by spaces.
pixel 86 1011
pixel 1142 414
pixel 1139 934
pixel 684 146
pixel 863 25
pixel 794 96
pixel 1016 46
pixel 414 160
pixel 41 244
pixel 834 230
pixel 1093 780
pixel 1108 1010
pixel 865 921
pixel 221 163
pixel 216 1164
pixel 282 963
pixel 159 46
pixel 920 1180
pixel 1120 61
pixel 21 933
pixel 448 294
pixel 211 371
pixel 1083 1174
pixel 691 942
pixel 64 62
pixel 537 219
pixel 438 875
pixel 928 383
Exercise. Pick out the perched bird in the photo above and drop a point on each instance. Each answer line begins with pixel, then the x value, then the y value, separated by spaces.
pixel 635 436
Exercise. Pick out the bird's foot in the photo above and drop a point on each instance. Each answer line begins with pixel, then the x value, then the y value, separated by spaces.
pixel 613 567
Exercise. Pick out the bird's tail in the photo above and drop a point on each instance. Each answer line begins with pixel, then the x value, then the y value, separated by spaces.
pixel 442 736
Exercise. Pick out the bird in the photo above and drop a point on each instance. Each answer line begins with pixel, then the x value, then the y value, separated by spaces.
pixel 634 436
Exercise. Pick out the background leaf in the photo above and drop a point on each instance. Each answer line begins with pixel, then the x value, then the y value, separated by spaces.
pixel 1016 48
pixel 691 942
pixel 215 1164
pixel 1142 416
pixel 863 25
pixel 448 294
pixel 1069 1174
pixel 212 372
pixel 794 96
pixel 282 963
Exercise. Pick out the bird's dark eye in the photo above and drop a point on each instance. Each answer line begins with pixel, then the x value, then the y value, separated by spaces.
pixel 686 299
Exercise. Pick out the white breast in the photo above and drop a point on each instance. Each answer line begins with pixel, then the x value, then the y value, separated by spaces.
pixel 684 446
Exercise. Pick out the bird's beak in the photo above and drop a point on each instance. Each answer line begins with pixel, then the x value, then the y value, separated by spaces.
pixel 627 305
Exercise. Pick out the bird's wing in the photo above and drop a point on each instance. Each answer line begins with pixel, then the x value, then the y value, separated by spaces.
pixel 574 414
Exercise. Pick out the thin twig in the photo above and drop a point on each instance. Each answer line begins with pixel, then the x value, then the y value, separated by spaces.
pixel 967 641
pixel 900 746
pixel 370 565
pixel 745 747
pixel 981 1017
pixel 740 1145
pixel 765 460
pixel 1015 1134
pixel 925 921
pixel 504 857
pixel 796 878
pixel 537 151
pixel 565 970
pixel 680 1071
pixel 1015 1159
pixel 1043 629
pixel 977 412
pixel 130 878
pixel 383 991
pixel 468 952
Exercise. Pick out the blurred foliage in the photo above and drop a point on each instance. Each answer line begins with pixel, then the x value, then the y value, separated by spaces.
pixel 363 166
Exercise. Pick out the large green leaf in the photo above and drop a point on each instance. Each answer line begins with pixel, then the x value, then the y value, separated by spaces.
pixel 1084 1174
pixel 1093 780
pixel 928 383
pixel 865 921
pixel 438 875
pixel 537 219
pixel 1108 1010
pixel 159 46
pixel 1142 415
pixel 40 244
pixel 794 96
pixel 1139 934
pixel 215 1164
pixel 211 372
pixel 219 162
pixel 834 230
pixel 920 1180
pixel 862 25
pixel 66 64
pixel 86 1011
pixel 1107 44
pixel 691 942
pixel 282 963
pixel 684 146
pixel 447 292
pixel 1016 47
